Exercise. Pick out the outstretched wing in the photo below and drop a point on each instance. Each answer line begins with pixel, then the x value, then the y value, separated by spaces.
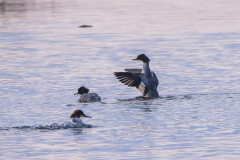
pixel 133 70
pixel 132 80
pixel 128 78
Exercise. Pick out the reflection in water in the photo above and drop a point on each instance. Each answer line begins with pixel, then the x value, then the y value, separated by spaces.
pixel 13 7
pixel 18 6
pixel 77 131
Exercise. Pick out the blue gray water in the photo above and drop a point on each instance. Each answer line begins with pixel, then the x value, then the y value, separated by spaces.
pixel 45 56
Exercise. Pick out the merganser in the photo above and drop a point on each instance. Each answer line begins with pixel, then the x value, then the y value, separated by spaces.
pixel 87 97
pixel 76 115
pixel 144 80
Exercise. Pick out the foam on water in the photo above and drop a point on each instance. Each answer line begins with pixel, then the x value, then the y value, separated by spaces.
pixel 54 126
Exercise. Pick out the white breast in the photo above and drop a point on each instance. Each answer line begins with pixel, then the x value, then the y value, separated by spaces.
pixel 78 121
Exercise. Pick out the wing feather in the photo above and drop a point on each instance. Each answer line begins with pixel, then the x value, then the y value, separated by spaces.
pixel 128 78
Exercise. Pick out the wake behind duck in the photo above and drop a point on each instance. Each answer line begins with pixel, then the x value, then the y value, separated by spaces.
pixel 76 123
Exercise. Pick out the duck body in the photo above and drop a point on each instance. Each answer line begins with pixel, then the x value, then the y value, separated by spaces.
pixel 144 80
pixel 87 97
pixel 76 115
pixel 78 121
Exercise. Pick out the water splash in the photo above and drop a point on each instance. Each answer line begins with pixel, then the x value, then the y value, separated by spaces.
pixel 65 125
pixel 53 126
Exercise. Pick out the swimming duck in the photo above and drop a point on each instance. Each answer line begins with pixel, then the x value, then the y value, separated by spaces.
pixel 144 79
pixel 87 97
pixel 76 115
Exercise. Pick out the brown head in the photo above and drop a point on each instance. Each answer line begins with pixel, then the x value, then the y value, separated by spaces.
pixel 78 114
pixel 142 57
pixel 82 90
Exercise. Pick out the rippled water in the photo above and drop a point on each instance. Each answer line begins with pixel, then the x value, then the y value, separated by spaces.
pixel 45 56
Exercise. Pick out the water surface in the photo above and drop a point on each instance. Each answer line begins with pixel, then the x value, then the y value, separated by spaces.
pixel 45 56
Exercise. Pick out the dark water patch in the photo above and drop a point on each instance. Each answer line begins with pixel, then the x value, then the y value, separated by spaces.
pixel 4 128
pixel 136 101
pixel 69 105
pixel 85 26
pixel 168 98
pixel 194 95
pixel 146 101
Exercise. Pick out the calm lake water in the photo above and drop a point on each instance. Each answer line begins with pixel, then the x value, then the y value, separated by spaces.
pixel 194 50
